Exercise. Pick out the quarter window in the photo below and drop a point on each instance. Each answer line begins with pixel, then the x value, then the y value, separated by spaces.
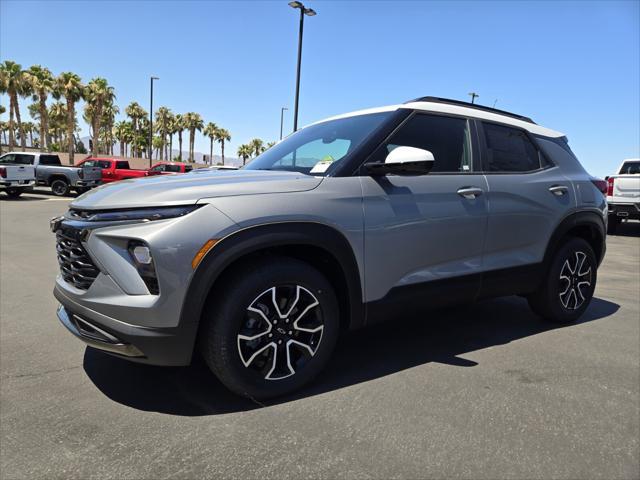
pixel 509 150
pixel 447 138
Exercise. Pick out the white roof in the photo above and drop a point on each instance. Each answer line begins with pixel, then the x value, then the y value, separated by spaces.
pixel 456 110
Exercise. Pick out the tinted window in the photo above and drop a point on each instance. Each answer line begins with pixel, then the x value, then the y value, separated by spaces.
pixel 446 138
pixel 49 160
pixel 97 163
pixel 172 168
pixel 188 168
pixel 509 150
pixel 158 168
pixel 122 165
pixel 630 168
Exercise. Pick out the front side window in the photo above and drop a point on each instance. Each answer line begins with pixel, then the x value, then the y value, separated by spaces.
pixel 96 163
pixel 447 138
pixel 509 150
pixel 319 148
pixel 172 168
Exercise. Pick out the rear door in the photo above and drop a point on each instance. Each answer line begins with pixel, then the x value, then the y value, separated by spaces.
pixel 423 230
pixel 528 197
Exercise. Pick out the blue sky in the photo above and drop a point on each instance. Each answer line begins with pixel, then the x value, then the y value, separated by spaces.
pixel 571 66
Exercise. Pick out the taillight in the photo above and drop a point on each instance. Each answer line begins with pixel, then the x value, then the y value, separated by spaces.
pixel 610 181
pixel 600 185
pixel 3 172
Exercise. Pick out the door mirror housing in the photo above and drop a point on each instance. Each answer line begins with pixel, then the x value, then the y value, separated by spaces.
pixel 403 161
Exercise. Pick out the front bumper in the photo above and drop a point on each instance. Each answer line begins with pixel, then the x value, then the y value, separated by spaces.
pixel 154 346
pixel 87 183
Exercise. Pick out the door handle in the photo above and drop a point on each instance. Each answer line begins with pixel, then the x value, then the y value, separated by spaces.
pixel 469 193
pixel 559 190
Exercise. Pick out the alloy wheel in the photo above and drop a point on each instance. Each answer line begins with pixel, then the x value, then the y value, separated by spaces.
pixel 575 281
pixel 281 331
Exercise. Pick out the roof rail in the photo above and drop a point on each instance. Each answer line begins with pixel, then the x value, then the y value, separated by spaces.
pixel 471 105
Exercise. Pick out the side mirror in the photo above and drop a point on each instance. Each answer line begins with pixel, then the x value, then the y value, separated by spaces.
pixel 403 161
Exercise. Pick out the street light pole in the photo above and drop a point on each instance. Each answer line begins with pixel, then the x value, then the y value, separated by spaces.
pixel 303 11
pixel 151 121
pixel 282 119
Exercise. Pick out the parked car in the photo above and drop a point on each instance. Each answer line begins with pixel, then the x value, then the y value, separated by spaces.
pixel 165 168
pixel 113 169
pixel 16 177
pixel 623 194
pixel 371 215
pixel 61 178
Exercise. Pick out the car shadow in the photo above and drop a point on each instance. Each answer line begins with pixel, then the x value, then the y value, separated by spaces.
pixel 444 337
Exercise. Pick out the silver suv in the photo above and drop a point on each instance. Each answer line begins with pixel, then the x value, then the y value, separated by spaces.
pixel 348 221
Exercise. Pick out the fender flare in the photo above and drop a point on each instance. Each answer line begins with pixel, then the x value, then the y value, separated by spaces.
pixel 591 220
pixel 252 239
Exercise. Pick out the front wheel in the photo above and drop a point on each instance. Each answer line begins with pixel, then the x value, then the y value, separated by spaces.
pixel 273 328
pixel 60 188
pixel 571 280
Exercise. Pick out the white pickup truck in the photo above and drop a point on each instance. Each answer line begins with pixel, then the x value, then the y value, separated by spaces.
pixel 16 177
pixel 623 194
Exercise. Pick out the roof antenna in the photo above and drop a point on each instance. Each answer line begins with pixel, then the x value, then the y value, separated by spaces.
pixel 494 103
pixel 473 95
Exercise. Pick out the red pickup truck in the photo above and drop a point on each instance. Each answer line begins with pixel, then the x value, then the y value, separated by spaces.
pixel 164 168
pixel 113 169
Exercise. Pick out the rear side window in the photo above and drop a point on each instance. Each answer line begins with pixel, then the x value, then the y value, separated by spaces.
pixel 630 168
pixel 172 168
pixel 509 150
pixel 122 165
pixel 17 159
pixel 49 160
pixel 447 138
pixel 188 168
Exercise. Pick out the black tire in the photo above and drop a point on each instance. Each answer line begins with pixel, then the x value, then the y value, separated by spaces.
pixel 60 187
pixel 569 285
pixel 81 190
pixel 14 192
pixel 613 223
pixel 235 312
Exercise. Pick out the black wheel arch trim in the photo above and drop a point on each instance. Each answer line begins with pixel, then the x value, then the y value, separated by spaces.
pixel 592 220
pixel 253 239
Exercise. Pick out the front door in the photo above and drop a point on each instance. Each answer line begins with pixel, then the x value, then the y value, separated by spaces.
pixel 426 233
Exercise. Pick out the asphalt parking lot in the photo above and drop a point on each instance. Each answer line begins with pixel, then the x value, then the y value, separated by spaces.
pixel 487 391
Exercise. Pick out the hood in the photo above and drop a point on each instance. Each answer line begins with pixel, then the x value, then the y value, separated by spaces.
pixel 184 189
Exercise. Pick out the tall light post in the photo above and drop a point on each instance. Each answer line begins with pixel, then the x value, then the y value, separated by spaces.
pixel 282 119
pixel 303 11
pixel 151 121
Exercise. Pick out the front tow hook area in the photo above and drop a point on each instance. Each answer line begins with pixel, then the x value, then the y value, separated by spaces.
pixel 94 336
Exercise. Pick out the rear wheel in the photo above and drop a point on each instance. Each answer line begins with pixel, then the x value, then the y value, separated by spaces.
pixel 60 187
pixel 14 192
pixel 570 283
pixel 273 329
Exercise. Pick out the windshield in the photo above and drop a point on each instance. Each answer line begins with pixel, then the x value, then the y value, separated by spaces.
pixel 315 149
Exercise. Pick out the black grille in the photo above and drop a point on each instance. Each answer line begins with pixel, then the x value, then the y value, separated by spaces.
pixel 76 266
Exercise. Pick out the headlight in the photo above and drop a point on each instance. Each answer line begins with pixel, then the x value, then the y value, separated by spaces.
pixel 148 214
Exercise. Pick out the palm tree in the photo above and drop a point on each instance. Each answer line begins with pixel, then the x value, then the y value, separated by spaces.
pixel 178 127
pixel 57 114
pixel 123 132
pixel 257 146
pixel 4 127
pixel 163 126
pixel 109 113
pixel 222 135
pixel 13 82
pixel 270 144
pixel 42 83
pixel 244 152
pixel 193 122
pixel 210 130
pixel 97 94
pixel 69 85
pixel 136 113
pixel 28 128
